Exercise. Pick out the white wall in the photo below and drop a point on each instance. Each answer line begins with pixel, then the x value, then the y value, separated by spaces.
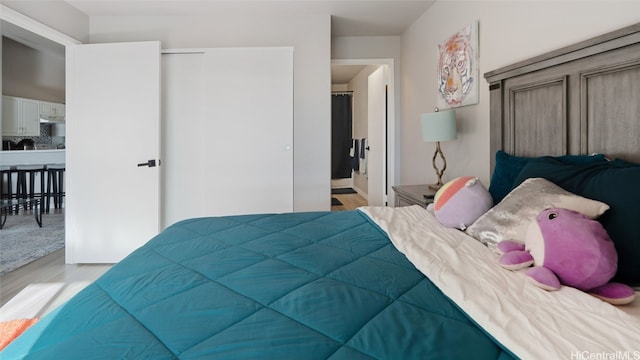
pixel 508 32
pixel 365 47
pixel 31 73
pixel 1 38
pixel 310 37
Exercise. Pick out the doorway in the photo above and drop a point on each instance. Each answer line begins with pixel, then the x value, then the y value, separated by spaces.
pixel 32 80
pixel 353 76
pixel 34 35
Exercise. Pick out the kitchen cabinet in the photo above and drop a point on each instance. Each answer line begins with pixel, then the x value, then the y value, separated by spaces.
pixel 51 109
pixel 10 115
pixel 20 116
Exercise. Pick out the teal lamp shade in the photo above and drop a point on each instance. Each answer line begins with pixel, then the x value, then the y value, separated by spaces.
pixel 439 126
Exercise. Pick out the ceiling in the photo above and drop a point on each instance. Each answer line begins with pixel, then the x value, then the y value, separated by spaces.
pixel 342 74
pixel 349 17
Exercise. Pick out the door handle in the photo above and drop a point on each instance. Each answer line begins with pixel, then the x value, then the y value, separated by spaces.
pixel 150 163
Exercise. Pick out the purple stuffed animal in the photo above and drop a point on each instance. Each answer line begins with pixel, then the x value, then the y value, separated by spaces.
pixel 460 202
pixel 568 248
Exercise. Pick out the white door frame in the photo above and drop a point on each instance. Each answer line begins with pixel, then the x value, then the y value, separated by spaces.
pixel 390 166
pixel 36 27
pixel 377 88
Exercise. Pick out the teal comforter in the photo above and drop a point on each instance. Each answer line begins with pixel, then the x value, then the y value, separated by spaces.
pixel 289 286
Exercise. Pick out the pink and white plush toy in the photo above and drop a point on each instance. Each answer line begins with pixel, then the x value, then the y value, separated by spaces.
pixel 460 202
pixel 568 248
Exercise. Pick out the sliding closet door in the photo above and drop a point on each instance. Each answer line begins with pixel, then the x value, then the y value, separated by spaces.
pixel 228 131
pixel 183 138
pixel 249 107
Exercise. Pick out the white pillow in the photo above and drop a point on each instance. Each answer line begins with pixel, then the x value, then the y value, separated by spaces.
pixel 509 219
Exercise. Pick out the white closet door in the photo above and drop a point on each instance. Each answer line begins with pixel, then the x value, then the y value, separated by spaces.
pixel 228 132
pixel 113 124
pixel 248 167
pixel 183 136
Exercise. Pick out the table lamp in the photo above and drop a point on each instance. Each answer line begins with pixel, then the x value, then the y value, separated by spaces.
pixel 436 127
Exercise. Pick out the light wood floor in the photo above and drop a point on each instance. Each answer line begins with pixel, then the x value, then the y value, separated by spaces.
pixel 49 269
pixel 349 201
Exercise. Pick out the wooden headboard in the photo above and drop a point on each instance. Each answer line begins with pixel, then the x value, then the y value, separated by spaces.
pixel 581 99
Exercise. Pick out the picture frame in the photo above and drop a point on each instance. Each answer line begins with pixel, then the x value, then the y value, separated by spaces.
pixel 457 72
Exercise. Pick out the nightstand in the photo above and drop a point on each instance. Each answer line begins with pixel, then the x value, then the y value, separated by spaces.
pixel 413 195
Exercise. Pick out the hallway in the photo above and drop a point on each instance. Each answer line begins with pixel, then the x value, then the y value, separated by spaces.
pixel 349 202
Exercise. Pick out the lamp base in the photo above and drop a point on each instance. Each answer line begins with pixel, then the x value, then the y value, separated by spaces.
pixel 439 172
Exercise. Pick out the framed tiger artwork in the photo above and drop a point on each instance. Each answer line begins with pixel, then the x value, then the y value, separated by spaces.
pixel 458 69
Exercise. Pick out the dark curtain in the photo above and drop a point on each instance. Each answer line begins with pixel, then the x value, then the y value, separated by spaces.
pixel 341 120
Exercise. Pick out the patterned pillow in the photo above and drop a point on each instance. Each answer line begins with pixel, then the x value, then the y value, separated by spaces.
pixel 510 218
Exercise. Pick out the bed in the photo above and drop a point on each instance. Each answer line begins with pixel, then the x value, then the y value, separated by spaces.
pixel 391 283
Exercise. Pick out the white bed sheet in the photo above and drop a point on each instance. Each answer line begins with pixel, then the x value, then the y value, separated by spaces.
pixel 530 322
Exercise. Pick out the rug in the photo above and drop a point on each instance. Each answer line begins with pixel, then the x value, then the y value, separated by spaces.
pixel 343 191
pixel 335 202
pixel 22 241
pixel 11 329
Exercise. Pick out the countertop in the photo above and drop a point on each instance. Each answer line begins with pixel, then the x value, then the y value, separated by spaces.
pixel 36 151
pixel 32 157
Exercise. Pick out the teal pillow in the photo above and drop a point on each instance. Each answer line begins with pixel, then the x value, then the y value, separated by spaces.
pixel 615 183
pixel 507 168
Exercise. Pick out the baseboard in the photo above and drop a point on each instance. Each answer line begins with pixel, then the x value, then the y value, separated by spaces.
pixel 341 183
pixel 361 193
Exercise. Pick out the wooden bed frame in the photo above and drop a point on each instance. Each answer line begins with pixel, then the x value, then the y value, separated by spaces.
pixel 580 99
